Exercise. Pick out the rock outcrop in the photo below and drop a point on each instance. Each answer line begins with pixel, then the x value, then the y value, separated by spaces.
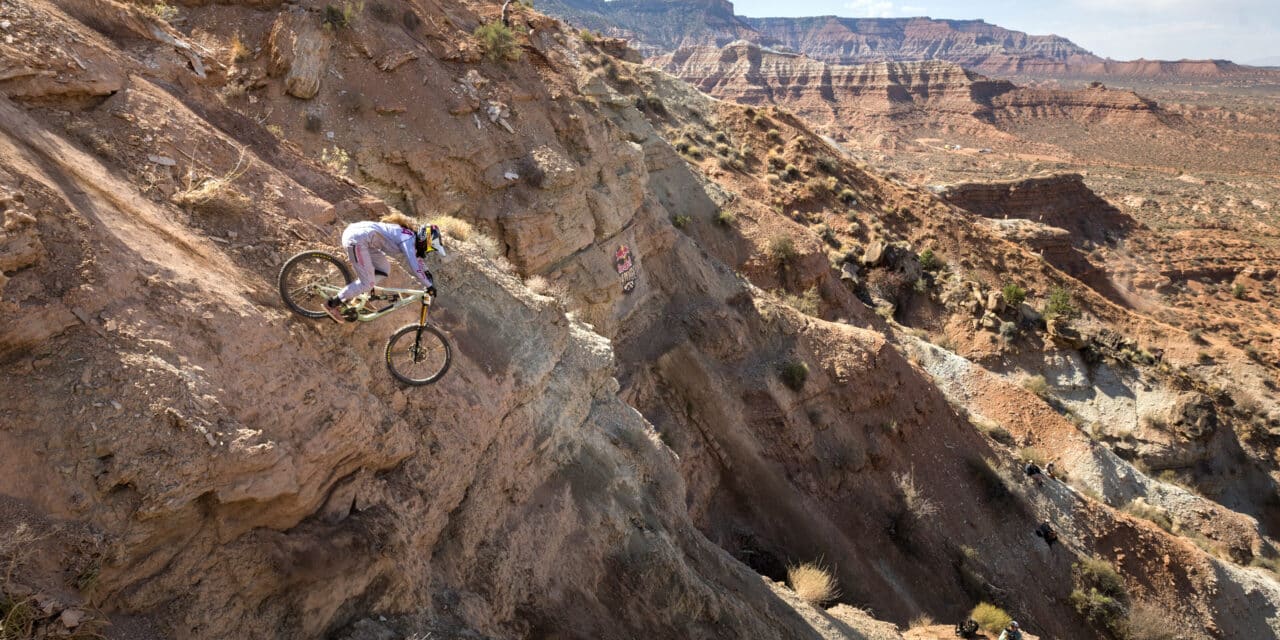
pixel 876 96
pixel 663 26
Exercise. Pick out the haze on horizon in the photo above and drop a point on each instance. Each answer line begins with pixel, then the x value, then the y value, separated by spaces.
pixel 1239 30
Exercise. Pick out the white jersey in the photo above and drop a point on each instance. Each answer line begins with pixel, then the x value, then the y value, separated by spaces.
pixel 389 239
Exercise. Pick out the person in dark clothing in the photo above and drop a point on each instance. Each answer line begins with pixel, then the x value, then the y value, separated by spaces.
pixel 967 628
pixel 1033 471
pixel 1045 531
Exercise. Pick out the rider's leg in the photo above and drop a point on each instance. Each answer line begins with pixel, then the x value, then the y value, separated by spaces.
pixel 381 267
pixel 362 263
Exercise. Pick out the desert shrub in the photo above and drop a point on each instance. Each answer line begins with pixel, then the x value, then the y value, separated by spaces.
pixel 782 249
pixel 498 42
pixel 760 120
pixel 776 161
pixel 1149 622
pixel 828 235
pixel 1060 305
pixel 808 303
pixel 1100 595
pixel 921 621
pixel 543 287
pixel 721 138
pixel 338 16
pixel 791 172
pixel 774 135
pixel 994 431
pixel 1037 385
pixel 794 373
pixel 17 618
pixel 1139 508
pixel 587 36
pixel 456 228
pixel 1013 294
pixel 681 220
pixel 991 618
pixel 813 583
pixel 1031 454
pixel 827 165
pixel 162 10
pixel 214 197
pixel 722 149
pixel 336 159
pixel 848 197
pixel 773 179
pixel 917 504
pixel 1238 292
pixel 929 261
pixel 725 218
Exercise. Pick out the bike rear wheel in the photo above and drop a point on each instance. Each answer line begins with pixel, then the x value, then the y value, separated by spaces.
pixel 310 278
pixel 418 354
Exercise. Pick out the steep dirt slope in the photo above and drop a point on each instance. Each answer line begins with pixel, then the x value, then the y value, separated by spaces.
pixel 846 427
pixel 199 464
pixel 720 381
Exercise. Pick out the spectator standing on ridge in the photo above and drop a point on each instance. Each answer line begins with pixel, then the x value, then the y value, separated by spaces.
pixel 1033 471
pixel 1011 632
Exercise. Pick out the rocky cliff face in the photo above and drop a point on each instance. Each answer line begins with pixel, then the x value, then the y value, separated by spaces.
pixel 881 97
pixel 702 398
pixel 662 26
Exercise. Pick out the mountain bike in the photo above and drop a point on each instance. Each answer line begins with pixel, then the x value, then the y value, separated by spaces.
pixel 417 354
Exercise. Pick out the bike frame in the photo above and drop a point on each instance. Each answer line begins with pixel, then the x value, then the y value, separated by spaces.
pixel 399 299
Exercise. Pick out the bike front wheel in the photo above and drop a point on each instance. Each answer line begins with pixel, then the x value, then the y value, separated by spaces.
pixel 418 354
pixel 310 278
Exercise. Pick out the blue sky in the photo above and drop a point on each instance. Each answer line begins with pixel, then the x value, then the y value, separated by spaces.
pixel 1240 30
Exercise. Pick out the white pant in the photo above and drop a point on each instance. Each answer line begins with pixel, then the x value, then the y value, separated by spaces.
pixel 370 266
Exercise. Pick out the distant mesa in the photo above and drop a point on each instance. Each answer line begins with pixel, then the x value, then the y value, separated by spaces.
pixel 656 27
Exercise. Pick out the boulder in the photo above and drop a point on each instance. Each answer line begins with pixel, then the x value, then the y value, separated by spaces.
pixel 300 49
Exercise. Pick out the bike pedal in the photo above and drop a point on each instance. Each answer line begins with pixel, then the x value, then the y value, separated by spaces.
pixel 350 315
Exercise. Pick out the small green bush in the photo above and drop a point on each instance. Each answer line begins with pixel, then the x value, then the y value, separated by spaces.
pixel 808 303
pixel 725 218
pixel 1037 385
pixel 587 36
pixel 1141 509
pixel 791 172
pixel 1100 595
pixel 929 261
pixel 1013 294
pixel 339 16
pixel 827 165
pixel 774 135
pixel 498 42
pixel 794 373
pixel 1238 292
pixel 991 618
pixel 1060 305
pixel 782 249
pixel 848 196
pixel 681 220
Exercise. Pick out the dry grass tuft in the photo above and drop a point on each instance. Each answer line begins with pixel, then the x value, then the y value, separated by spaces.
pixel 921 621
pixel 455 228
pixel 919 506
pixel 813 583
pixel 214 197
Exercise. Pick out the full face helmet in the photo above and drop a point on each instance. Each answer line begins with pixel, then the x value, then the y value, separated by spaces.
pixel 428 239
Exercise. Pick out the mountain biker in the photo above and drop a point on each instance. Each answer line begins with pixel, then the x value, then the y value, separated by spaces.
pixel 1012 632
pixel 368 244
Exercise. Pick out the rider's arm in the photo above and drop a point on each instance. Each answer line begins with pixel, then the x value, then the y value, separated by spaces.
pixel 411 259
